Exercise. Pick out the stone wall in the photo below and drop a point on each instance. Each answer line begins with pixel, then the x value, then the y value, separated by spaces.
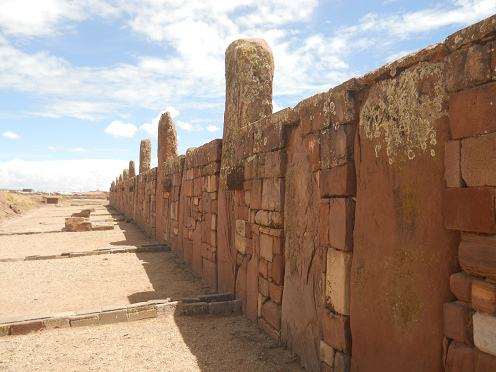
pixel 359 227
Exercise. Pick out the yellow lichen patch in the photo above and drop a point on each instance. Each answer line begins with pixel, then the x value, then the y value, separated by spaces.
pixel 400 114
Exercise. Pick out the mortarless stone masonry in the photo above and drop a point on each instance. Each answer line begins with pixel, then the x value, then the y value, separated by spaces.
pixel 341 223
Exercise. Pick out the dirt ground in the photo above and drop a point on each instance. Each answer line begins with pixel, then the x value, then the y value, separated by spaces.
pixel 197 343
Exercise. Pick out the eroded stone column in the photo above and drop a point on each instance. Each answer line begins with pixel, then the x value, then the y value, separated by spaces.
pixel 132 169
pixel 167 139
pixel 167 149
pixel 145 155
pixel 249 75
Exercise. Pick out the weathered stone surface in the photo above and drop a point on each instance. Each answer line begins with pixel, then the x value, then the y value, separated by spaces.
pixel 56 322
pixel 145 155
pixel 266 247
pixel 470 209
pixel 326 353
pixel 28 326
pixel 485 332
pixel 337 332
pixel 478 160
pixel 273 194
pixel 270 219
pixel 116 316
pixel 338 280
pixel 336 145
pixel 275 292
pixel 402 254
pixel 461 286
pixel 484 296
pixel 457 322
pixel 342 362
pixel 340 181
pixel 271 312
pixel 304 259
pixel 477 255
pixel 452 164
pixel 472 111
pixel 468 67
pixel 77 224
pixel 167 138
pixel 278 269
pixel 462 358
pixel 341 222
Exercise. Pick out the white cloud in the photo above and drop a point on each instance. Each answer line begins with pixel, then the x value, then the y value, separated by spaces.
pixel 61 175
pixel 189 127
pixel 119 129
pixel 212 128
pixel 36 18
pixel 11 135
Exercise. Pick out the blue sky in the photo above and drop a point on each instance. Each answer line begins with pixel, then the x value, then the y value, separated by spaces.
pixel 83 82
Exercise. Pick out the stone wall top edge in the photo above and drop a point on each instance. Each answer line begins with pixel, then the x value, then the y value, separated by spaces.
pixel 287 116
pixel 471 33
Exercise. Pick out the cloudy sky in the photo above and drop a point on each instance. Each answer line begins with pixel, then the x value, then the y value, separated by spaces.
pixel 83 82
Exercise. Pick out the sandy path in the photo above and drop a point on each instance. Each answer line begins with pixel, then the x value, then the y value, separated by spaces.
pixel 189 344
pixel 85 283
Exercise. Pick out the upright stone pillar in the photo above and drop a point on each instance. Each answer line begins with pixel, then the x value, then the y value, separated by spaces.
pixel 145 155
pixel 132 169
pixel 249 75
pixel 167 149
pixel 125 174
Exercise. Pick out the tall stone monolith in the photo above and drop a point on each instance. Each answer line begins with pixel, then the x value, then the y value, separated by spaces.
pixel 249 75
pixel 167 149
pixel 132 169
pixel 145 155
pixel 125 174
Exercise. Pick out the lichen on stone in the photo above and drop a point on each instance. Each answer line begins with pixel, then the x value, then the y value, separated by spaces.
pixel 400 114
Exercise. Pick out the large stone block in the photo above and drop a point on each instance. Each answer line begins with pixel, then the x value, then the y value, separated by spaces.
pixel 461 286
pixel 271 312
pixel 470 209
pixel 338 274
pixel 278 269
pixel 326 353
pixel 457 322
pixel 275 164
pixel 337 332
pixel 472 111
pixel 336 146
pixel 340 181
pixel 266 247
pixel 273 194
pixel 462 358
pixel 468 66
pixel 485 332
pixel 256 194
pixel 478 160
pixel 312 144
pixel 484 296
pixel 477 255
pixel 452 164
pixel 341 222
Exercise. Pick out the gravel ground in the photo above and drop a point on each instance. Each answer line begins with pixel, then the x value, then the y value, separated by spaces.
pixel 184 343
pixel 200 343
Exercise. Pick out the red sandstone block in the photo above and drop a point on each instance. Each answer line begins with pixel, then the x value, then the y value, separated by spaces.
pixel 271 312
pixel 336 145
pixel 197 186
pixel 263 268
pixel 462 358
pixel 470 209
pixel 242 213
pixel 278 269
pixel 277 244
pixel 274 137
pixel 477 255
pixel 484 296
pixel 23 328
pixel 337 331
pixel 326 367
pixel 324 223
pixel 457 322
pixel 340 181
pixel 468 67
pixel 478 160
pixel 197 172
pixel 188 188
pixel 341 223
pixel 273 194
pixel 452 164
pixel 461 286
pixel 215 151
pixel 251 168
pixel 275 164
pixel 473 112
pixel 312 144
pixel 256 194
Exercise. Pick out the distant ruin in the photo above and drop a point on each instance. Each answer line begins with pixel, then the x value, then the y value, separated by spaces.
pixel 359 227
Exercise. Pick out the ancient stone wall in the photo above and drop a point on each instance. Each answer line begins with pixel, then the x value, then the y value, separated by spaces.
pixel 359 227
